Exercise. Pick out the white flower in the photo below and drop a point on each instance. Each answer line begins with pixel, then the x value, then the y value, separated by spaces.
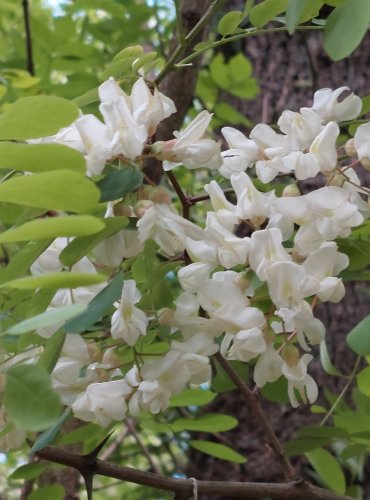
pixel 129 322
pixel 266 248
pixel 103 402
pixel 246 344
pixel 362 143
pixel 298 379
pixel 189 149
pixel 301 127
pixel 193 276
pixel 243 152
pixel 323 147
pixel 268 367
pixel 225 211
pixel 168 229
pixel 325 103
pixel 251 204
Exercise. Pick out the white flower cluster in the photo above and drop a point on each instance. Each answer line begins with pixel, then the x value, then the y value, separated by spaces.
pixel 254 250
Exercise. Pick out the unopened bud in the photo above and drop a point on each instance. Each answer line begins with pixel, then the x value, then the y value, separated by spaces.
pixel 291 190
pixel 165 316
pixel 160 195
pixel 94 352
pixel 141 207
pixel 120 209
pixel 337 179
pixel 290 355
pixel 144 192
pixel 111 358
pixel 349 147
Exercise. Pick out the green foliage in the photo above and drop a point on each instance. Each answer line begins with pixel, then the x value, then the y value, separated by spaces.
pixel 192 397
pixel 37 158
pixel 28 471
pixel 328 470
pixel 55 280
pixel 229 22
pixel 36 116
pixel 218 450
pixel 205 423
pixel 119 183
pixel 265 11
pixel 49 435
pixel 29 400
pixel 345 28
pixel 358 338
pixel 56 492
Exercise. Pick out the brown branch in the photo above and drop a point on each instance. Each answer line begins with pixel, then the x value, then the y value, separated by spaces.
pixel 261 418
pixel 184 199
pixel 297 490
pixel 27 25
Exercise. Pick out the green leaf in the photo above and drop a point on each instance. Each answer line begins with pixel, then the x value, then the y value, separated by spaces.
pixel 22 260
pixel 86 98
pixel 353 422
pixel 29 400
pixel 192 397
pixel 326 361
pixel 55 280
pixel 228 114
pixel 294 13
pixel 218 450
pixel 40 157
pixel 358 338
pixel 206 423
pixel 328 469
pixel 345 28
pixel 354 450
pixel 36 116
pixel 365 105
pixel 52 227
pixel 52 349
pixel 363 381
pixel 119 183
pixel 80 434
pixel 82 245
pixel 264 12
pixel 222 382
pixel 28 471
pixel 59 190
pixel 229 22
pixel 97 306
pixel 304 444
pixel 56 492
pixel 276 391
pixel 49 435
pixel 48 318
pixel 316 431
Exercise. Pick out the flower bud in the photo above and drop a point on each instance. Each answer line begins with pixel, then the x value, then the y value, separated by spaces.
pixel 349 147
pixel 144 192
pixel 94 352
pixel 242 280
pixel 142 206
pixel 160 195
pixel 111 358
pixel 165 316
pixel 290 355
pixel 291 190
pixel 120 209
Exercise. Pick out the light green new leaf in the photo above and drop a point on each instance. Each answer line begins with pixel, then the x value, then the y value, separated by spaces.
pixel 22 260
pixel 36 116
pixel 56 280
pixel 56 492
pixel 192 397
pixel 229 22
pixel 328 469
pixel 218 450
pixel 326 361
pixel 294 14
pixel 29 400
pixel 363 381
pixel 205 423
pixel 358 338
pixel 52 227
pixel 48 318
pixel 40 157
pixel 345 28
pixel 264 12
pixel 59 190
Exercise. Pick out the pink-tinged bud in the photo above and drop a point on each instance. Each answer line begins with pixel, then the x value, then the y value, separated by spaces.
pixel 144 192
pixel 120 209
pixel 94 352
pixel 163 149
pixel 349 147
pixel 291 190
pixel 141 207
pixel 160 195
pixel 290 355
pixel 165 316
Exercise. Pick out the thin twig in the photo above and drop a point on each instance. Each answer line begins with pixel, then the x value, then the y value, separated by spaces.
pixel 341 395
pixel 184 199
pixel 261 418
pixel 297 490
pixel 27 25
pixel 186 40
pixel 131 427
pixel 114 445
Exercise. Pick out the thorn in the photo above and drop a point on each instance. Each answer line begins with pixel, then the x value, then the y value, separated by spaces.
pixel 95 452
